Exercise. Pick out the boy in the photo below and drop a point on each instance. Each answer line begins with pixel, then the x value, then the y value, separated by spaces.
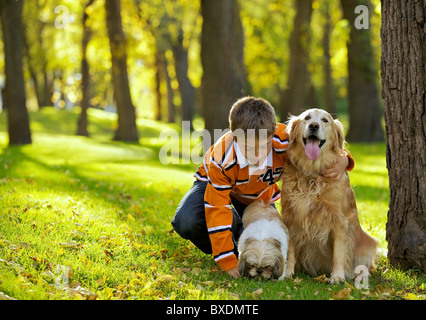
pixel 238 169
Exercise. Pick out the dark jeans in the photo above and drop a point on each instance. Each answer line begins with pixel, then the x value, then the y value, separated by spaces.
pixel 190 221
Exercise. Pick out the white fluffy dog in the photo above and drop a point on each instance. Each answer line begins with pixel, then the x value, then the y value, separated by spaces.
pixel 263 244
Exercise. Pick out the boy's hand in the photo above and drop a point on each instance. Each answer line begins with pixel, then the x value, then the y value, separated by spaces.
pixel 338 169
pixel 234 273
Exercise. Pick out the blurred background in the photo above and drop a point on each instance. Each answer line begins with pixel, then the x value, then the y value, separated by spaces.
pixel 191 59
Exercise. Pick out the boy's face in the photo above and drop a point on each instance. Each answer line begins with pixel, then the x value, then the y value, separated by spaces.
pixel 255 149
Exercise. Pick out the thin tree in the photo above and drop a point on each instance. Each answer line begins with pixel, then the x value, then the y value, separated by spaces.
pixel 295 96
pixel 127 130
pixel 403 67
pixel 330 103
pixel 14 92
pixel 222 57
pixel 364 106
pixel 85 79
pixel 186 89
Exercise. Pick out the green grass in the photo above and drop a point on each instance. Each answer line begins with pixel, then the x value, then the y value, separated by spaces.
pixel 99 211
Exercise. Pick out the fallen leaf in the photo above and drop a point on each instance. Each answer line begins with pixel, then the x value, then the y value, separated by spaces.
pixel 109 253
pixel 321 278
pixel 350 286
pixel 135 283
pixel 380 289
pixel 365 293
pixel 200 287
pixel 411 296
pixel 166 278
pixel 70 245
pixel 257 293
pixel 83 292
pixel 342 294
pixel 233 296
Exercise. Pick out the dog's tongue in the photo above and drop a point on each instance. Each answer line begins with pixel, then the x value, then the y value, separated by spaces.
pixel 312 148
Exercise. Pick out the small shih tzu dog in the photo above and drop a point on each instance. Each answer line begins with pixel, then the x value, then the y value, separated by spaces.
pixel 263 244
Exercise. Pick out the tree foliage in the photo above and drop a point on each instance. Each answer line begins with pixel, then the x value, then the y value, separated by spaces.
pixel 163 47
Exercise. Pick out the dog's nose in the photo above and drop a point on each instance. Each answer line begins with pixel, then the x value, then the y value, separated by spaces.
pixel 314 126
pixel 259 271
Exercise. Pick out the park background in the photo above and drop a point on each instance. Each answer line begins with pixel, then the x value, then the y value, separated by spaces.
pixel 85 202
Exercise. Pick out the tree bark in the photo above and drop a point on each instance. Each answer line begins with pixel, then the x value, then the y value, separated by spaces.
pixel 330 102
pixel 187 91
pixel 296 95
pixel 222 57
pixel 127 130
pixel 364 106
pixel 15 98
pixel 403 67
pixel 85 80
pixel 171 109
pixel 35 52
pixel 158 68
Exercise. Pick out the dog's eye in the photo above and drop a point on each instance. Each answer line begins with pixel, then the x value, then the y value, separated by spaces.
pixel 308 117
pixel 324 120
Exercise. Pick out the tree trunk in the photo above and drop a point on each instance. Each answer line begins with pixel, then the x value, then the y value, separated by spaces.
pixel 364 106
pixel 85 79
pixel 171 109
pixel 330 103
pixel 15 98
pixel 296 95
pixel 187 91
pixel 158 103
pixel 48 86
pixel 222 57
pixel 127 130
pixel 35 52
pixel 403 68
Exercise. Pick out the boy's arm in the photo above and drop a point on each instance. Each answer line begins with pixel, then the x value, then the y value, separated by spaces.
pixel 344 163
pixel 217 203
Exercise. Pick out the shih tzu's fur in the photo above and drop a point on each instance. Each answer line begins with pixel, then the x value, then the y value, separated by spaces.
pixel 263 244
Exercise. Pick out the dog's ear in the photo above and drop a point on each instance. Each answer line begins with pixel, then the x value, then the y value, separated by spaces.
pixel 340 141
pixel 279 266
pixel 242 263
pixel 276 243
pixel 292 128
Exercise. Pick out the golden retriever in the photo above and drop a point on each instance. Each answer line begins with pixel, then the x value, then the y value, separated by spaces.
pixel 320 213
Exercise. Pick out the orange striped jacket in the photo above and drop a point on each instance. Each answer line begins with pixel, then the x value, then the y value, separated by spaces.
pixel 228 174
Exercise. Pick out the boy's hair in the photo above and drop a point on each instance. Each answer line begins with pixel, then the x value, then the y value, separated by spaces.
pixel 252 113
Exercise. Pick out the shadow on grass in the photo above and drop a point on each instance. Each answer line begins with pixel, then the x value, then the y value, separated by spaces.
pixel 108 189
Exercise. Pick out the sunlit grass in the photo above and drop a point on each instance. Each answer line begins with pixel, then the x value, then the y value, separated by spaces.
pixel 102 209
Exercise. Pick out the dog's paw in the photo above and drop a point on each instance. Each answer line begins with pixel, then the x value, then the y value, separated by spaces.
pixel 282 277
pixel 337 277
pixel 289 274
